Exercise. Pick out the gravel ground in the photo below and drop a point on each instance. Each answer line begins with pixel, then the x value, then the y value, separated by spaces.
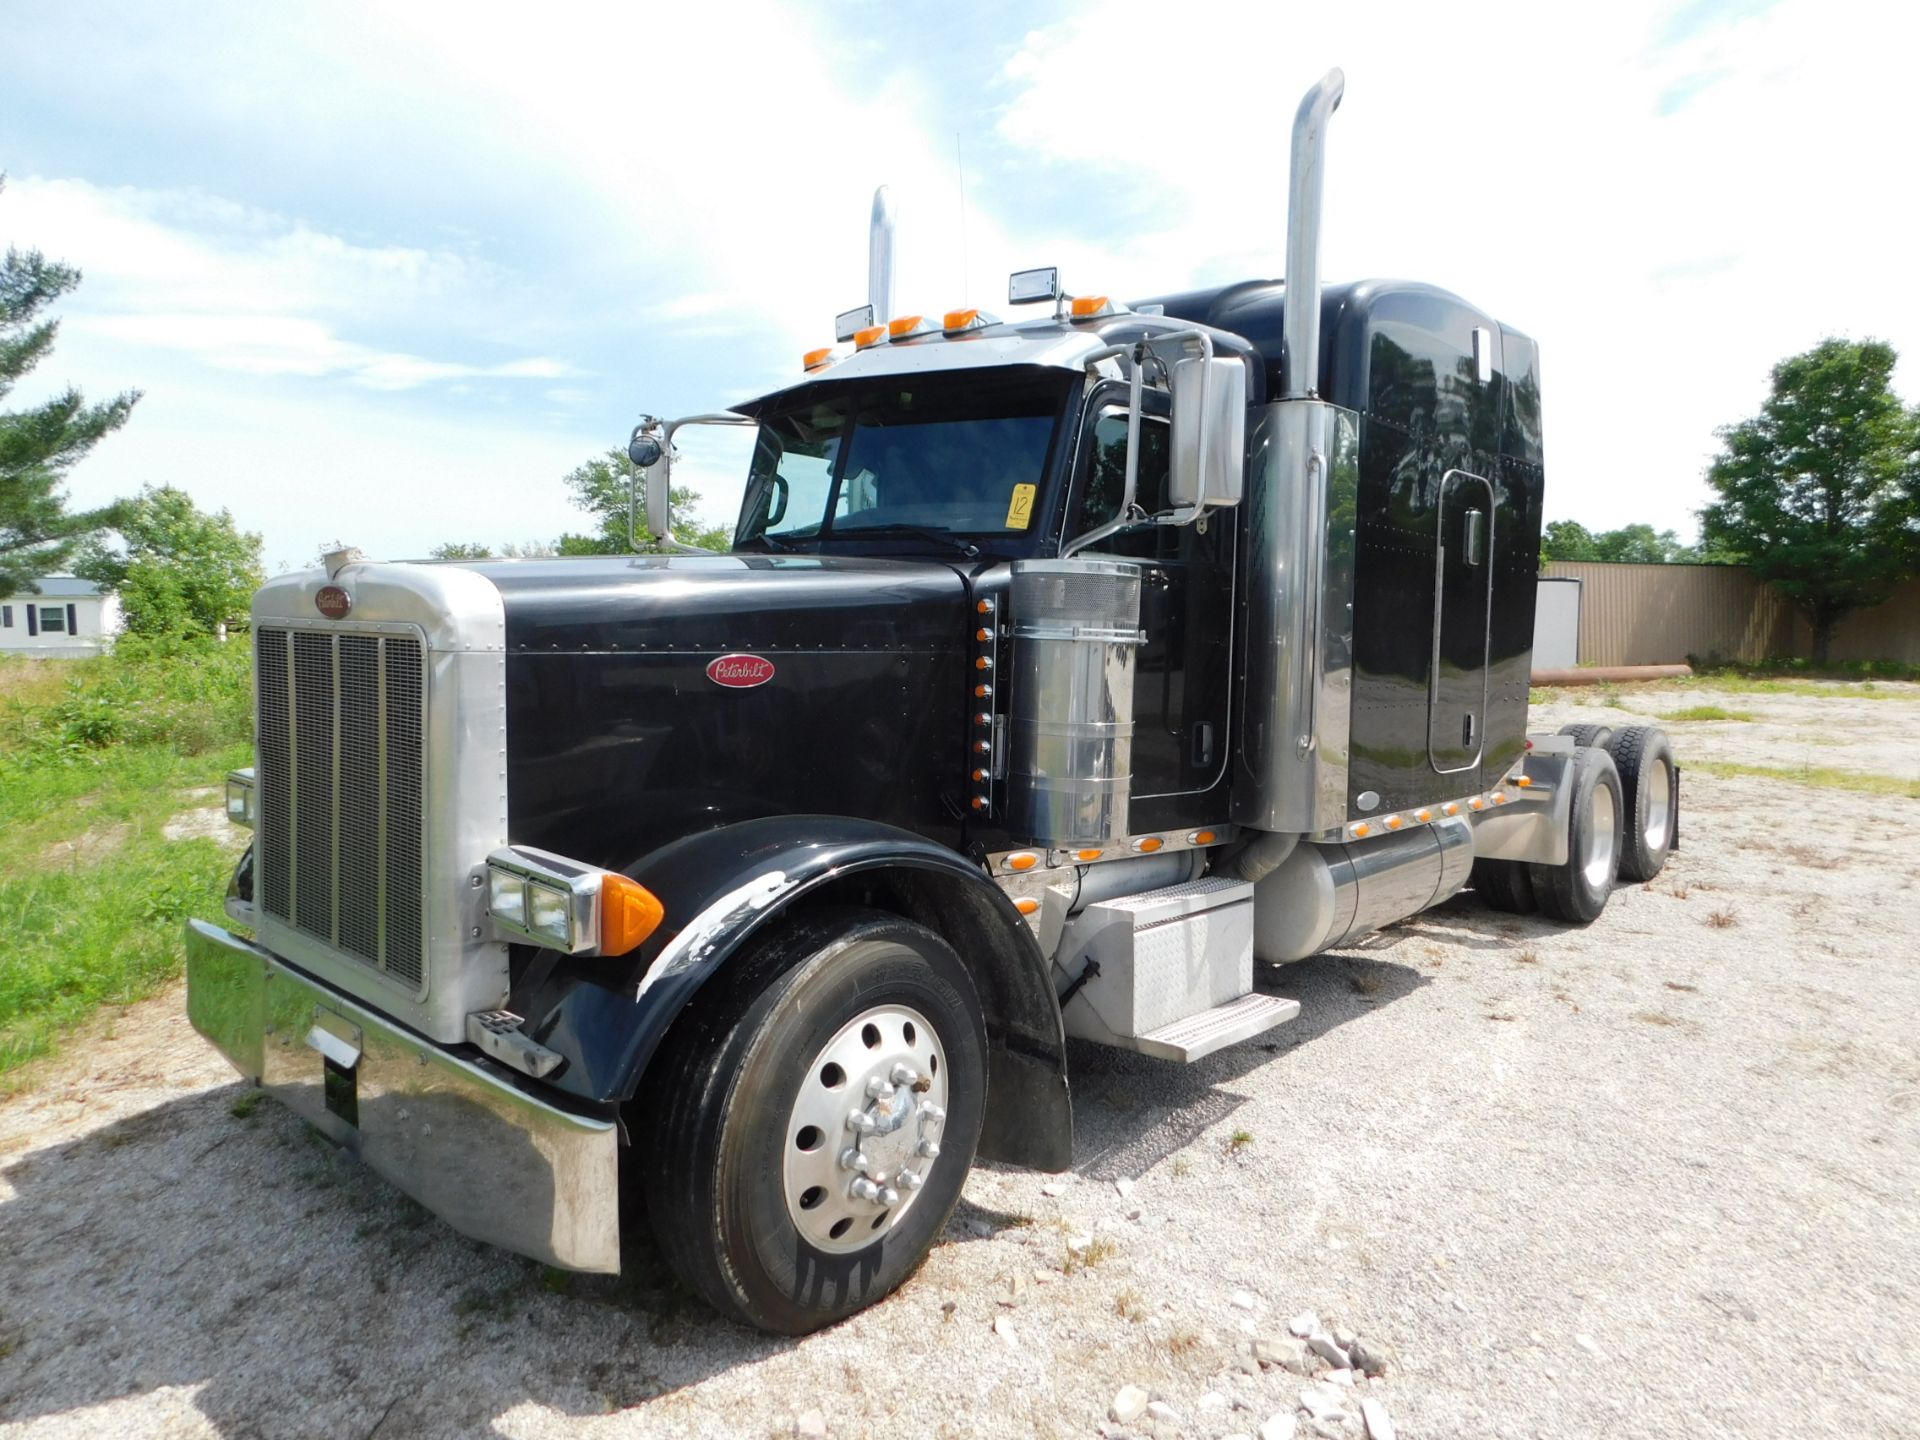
pixel 1649 1178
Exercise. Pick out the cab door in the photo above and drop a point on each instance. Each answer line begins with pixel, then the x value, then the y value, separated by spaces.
pixel 1186 603
pixel 1457 680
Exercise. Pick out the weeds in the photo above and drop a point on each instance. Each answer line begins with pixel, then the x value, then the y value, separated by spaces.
pixel 93 896
pixel 1655 1017
pixel 1722 920
pixel 1708 712
pixel 1528 957
pixel 1366 984
pixel 1239 1140
pixel 1129 1306
pixel 1824 776
pixel 243 1107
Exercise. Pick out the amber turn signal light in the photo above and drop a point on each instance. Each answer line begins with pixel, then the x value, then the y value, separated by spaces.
pixel 629 913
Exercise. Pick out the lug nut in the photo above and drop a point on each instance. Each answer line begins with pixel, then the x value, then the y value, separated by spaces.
pixel 908 1179
pixel 879 1088
pixel 889 1196
pixel 860 1122
pixel 933 1113
pixel 865 1189
pixel 905 1074
pixel 854 1158
pixel 928 1148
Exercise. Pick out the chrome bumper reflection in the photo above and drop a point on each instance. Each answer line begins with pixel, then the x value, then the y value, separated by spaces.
pixel 492 1161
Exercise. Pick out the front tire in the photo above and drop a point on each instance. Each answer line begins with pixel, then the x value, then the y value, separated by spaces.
pixel 765 1198
pixel 1576 892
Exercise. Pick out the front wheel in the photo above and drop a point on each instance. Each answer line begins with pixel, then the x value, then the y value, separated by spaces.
pixel 811 1121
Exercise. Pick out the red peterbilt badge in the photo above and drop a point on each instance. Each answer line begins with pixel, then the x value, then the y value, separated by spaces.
pixel 333 602
pixel 740 672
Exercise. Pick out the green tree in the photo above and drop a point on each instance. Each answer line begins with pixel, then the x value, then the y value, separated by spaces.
pixel 461 550
pixel 1629 545
pixel 601 486
pixel 1817 491
pixel 39 445
pixel 178 569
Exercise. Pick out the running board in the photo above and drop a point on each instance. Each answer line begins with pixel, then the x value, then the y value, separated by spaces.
pixel 1210 1030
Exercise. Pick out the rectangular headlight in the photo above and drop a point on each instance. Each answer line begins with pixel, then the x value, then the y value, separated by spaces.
pixel 507 896
pixel 550 914
pixel 240 797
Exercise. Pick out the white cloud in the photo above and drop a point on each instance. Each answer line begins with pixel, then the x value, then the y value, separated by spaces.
pixel 1667 219
pixel 242 289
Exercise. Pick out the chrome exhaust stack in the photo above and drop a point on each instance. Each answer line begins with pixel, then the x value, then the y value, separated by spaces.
pixel 880 255
pixel 1302 317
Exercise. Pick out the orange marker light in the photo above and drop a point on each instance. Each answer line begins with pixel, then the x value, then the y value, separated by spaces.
pixel 980 777
pixel 1088 854
pixel 1394 822
pixel 1024 860
pixel 817 359
pixel 1423 816
pixel 983 633
pixel 629 913
pixel 983 663
pixel 980 692
pixel 1453 807
pixel 1362 830
pixel 979 802
pixel 1085 307
pixel 1524 781
pixel 1201 837
pixel 1026 905
pixel 870 336
pixel 1148 844
pixel 1476 803
pixel 985 607
pixel 907 326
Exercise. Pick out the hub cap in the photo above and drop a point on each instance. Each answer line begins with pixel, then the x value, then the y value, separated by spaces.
pixel 865 1129
pixel 1601 836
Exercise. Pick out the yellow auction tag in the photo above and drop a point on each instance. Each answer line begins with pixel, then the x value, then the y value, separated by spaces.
pixel 1020 508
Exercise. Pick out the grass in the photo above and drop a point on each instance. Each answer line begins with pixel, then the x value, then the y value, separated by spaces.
pixel 96 756
pixel 1708 712
pixel 1824 776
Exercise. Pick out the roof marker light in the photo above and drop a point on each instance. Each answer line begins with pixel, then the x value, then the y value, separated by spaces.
pixel 866 339
pixel 958 322
pixel 817 359
pixel 1092 307
pixel 908 327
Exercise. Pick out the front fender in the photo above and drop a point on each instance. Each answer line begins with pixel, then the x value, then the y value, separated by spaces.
pixel 720 887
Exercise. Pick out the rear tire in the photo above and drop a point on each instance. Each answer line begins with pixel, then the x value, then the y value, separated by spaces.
pixel 1644 757
pixel 777 1043
pixel 1600 737
pixel 1505 885
pixel 1576 892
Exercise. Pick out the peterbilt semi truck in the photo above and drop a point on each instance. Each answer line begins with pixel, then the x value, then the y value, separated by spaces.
pixel 1063 676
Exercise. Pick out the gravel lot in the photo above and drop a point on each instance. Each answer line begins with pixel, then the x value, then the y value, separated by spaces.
pixel 1649 1178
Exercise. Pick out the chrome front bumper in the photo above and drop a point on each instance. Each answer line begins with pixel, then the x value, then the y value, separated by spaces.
pixel 491 1160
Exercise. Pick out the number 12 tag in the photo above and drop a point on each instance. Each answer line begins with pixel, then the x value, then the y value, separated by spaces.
pixel 1020 508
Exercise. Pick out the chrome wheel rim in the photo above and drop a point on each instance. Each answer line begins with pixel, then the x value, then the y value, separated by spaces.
pixel 864 1132
pixel 1659 810
pixel 1602 833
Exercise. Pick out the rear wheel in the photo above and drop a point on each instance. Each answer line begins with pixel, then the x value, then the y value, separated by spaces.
pixel 1504 885
pixel 1644 756
pixel 1599 736
pixel 1577 890
pixel 815 1119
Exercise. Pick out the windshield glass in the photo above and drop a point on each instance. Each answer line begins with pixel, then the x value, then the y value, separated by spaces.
pixel 955 454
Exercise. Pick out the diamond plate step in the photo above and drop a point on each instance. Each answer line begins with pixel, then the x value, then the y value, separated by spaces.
pixel 1200 1035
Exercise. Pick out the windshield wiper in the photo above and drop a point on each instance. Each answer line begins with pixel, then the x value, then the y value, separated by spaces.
pixel 771 542
pixel 939 537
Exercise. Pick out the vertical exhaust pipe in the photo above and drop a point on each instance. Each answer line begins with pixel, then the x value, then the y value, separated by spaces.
pixel 1302 318
pixel 880 255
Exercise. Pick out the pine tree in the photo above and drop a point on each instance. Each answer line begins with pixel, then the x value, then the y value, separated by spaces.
pixel 39 445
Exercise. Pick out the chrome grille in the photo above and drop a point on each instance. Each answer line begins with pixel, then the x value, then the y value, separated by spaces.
pixel 341 774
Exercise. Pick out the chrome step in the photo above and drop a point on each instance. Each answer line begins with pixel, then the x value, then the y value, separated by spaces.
pixel 1210 1030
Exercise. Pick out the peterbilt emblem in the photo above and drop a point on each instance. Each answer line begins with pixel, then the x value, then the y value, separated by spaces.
pixel 740 672
pixel 333 602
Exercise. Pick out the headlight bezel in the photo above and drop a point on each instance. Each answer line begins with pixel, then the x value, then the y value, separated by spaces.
pixel 540 898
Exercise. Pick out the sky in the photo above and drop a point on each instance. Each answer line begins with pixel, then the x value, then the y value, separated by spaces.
pixel 385 274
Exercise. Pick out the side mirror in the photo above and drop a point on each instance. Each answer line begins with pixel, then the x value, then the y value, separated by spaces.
pixel 652 462
pixel 645 450
pixel 1209 432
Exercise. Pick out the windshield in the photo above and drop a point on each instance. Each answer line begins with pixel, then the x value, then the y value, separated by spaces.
pixel 952 454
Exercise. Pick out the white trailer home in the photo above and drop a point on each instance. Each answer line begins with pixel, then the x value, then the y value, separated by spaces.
pixel 68 618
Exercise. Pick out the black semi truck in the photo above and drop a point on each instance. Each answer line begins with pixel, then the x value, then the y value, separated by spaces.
pixel 1060 674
